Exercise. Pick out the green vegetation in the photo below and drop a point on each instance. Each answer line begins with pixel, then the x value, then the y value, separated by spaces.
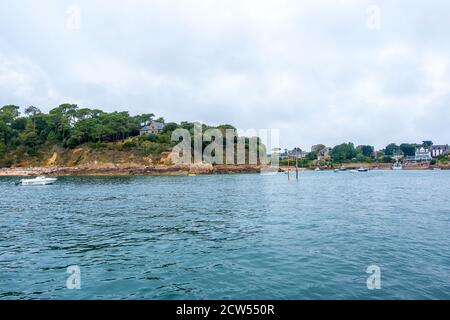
pixel 36 134
pixel 348 153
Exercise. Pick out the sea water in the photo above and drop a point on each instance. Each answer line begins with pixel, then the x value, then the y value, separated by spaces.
pixel 245 236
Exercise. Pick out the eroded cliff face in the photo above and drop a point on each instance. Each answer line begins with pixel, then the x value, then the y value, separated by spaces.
pixel 85 161
pixel 113 170
pixel 87 157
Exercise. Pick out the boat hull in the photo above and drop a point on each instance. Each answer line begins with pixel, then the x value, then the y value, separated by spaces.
pixel 45 182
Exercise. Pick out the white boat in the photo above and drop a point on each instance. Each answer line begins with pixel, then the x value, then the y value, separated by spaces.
pixel 317 169
pixel 397 166
pixel 353 171
pixel 363 169
pixel 38 181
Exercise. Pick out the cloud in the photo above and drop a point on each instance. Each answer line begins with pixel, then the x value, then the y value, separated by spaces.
pixel 23 82
pixel 312 69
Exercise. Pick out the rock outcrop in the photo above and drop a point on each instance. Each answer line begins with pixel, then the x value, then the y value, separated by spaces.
pixel 110 169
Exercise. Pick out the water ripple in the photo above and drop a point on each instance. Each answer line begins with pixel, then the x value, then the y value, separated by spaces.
pixel 228 237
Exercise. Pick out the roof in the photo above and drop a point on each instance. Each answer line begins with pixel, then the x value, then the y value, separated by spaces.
pixel 153 125
pixel 158 125
pixel 442 146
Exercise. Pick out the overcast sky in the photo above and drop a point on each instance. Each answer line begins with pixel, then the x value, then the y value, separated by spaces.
pixel 320 71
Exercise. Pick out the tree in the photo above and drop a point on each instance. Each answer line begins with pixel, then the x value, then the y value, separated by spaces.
pixel 427 144
pixel 145 117
pixel 408 149
pixel 69 126
pixel 32 111
pixel 311 156
pixel 61 120
pixel 365 150
pixel 8 115
pixel 169 127
pixel 390 149
pixel 9 112
pixel 343 152
pixel 316 148
pixel 386 159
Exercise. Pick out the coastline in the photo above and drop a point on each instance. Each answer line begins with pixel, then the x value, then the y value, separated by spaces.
pixel 176 170
pixel 114 170
pixel 372 166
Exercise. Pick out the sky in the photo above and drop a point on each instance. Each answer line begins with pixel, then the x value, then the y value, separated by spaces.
pixel 370 72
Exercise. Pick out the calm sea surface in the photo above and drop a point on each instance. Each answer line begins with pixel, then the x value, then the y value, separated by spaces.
pixel 228 236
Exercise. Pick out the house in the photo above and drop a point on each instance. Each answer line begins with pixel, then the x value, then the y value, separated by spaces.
pixel 438 150
pixel 294 153
pixel 324 154
pixel 151 127
pixel 423 154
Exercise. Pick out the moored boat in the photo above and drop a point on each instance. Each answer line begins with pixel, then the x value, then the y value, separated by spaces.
pixel 397 166
pixel 38 181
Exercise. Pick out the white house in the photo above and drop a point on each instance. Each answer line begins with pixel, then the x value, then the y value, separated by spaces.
pixel 423 154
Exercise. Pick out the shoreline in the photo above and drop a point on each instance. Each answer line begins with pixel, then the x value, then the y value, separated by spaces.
pixel 110 170
pixel 378 166
pixel 176 170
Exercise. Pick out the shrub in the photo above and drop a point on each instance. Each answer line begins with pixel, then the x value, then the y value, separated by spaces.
pixel 152 137
pixel 97 145
pixel 128 145
pixel 6 163
pixel 386 159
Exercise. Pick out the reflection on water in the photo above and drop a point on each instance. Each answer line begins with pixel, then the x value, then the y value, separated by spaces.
pixel 229 236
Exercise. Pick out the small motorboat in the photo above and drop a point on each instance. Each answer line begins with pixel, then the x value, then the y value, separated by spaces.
pixel 397 166
pixel 38 181
pixel 317 169
pixel 363 169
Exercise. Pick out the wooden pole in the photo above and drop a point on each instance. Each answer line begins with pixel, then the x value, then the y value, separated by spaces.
pixel 289 169
pixel 296 167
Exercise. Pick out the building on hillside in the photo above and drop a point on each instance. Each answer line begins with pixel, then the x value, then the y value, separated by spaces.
pixel 324 154
pixel 151 127
pixel 294 153
pixel 438 150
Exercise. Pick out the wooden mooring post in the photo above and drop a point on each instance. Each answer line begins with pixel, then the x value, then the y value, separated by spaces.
pixel 289 170
pixel 289 167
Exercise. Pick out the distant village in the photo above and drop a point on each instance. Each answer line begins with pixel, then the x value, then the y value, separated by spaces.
pixel 425 153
